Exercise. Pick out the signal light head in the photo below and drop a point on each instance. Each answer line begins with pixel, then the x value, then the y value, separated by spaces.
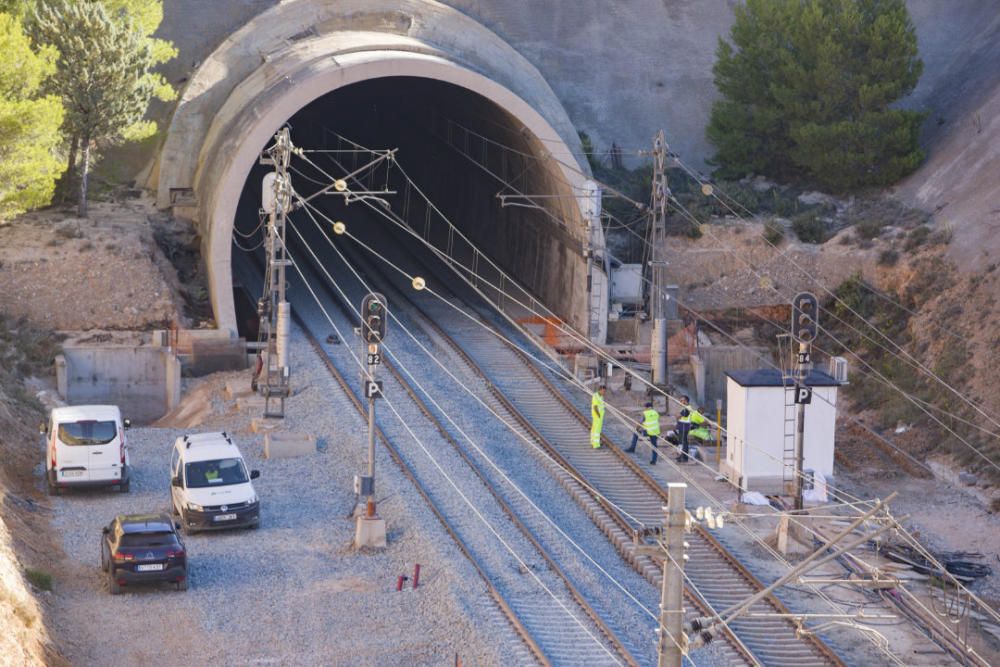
pixel 374 316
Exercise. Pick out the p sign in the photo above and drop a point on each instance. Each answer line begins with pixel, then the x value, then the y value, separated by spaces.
pixel 803 395
pixel 373 389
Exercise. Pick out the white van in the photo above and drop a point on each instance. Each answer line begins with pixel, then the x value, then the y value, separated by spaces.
pixel 85 446
pixel 210 485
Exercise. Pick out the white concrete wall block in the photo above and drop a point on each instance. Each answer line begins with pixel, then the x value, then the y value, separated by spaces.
pixel 280 445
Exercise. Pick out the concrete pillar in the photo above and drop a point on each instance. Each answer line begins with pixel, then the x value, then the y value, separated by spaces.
pixel 172 379
pixel 62 383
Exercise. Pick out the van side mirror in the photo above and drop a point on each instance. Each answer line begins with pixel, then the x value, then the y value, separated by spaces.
pixel 105 530
pixel 177 525
pixel 176 481
pixel 127 423
pixel 254 474
pixel 43 428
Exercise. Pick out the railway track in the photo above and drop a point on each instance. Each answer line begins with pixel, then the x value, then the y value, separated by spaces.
pixel 555 634
pixel 562 430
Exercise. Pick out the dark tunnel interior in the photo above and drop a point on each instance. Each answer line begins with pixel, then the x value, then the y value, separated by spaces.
pixel 435 127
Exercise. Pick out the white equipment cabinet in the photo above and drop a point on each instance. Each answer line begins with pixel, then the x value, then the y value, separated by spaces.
pixel 759 438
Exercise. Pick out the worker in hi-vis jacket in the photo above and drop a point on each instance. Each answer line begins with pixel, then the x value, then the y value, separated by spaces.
pixel 597 414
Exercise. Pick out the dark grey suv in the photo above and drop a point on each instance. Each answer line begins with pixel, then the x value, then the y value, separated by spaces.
pixel 142 549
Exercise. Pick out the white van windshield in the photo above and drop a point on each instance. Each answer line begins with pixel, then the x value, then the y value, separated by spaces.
pixel 87 432
pixel 200 474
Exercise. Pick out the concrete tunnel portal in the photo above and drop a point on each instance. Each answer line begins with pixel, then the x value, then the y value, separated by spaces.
pixel 438 130
pixel 421 68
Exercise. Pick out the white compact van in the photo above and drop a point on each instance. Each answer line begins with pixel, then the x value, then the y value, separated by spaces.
pixel 210 485
pixel 85 446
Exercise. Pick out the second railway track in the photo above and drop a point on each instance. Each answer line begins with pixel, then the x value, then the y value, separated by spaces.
pixel 557 425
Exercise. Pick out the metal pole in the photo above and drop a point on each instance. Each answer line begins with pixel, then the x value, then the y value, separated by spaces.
pixel 670 647
pixel 370 500
pixel 592 207
pixel 718 433
pixel 283 202
pixel 657 305
pixel 800 425
pixel 275 310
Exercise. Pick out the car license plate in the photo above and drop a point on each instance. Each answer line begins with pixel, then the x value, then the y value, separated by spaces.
pixel 224 517
pixel 72 473
pixel 151 567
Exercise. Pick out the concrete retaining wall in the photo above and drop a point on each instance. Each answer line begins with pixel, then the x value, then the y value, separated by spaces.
pixel 144 381
pixel 710 366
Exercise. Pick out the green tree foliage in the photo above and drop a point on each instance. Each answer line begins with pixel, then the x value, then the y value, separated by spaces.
pixel 29 122
pixel 146 16
pixel 807 88
pixel 143 16
pixel 102 75
pixel 15 8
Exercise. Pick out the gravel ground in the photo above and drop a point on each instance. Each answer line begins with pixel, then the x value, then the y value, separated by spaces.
pixel 293 592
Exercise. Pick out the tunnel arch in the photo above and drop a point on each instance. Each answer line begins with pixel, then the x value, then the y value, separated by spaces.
pixel 301 50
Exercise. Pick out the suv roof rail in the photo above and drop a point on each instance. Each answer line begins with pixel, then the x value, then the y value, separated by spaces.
pixel 196 438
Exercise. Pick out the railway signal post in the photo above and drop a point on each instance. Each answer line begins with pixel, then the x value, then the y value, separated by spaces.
pixel 805 327
pixel 370 528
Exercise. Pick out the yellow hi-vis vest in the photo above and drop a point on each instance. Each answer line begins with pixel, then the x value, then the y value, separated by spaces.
pixel 651 421
pixel 597 405
pixel 696 417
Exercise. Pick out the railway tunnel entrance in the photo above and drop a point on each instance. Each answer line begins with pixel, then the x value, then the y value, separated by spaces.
pixel 470 116
pixel 460 160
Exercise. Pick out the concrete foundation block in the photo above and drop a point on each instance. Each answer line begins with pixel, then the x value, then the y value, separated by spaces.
pixel 264 425
pixel 251 402
pixel 279 445
pixel 237 389
pixel 370 533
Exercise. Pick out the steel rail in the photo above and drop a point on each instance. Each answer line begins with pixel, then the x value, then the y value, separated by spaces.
pixel 624 538
pixel 764 634
pixel 518 624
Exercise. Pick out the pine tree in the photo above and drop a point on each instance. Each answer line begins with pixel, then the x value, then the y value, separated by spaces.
pixel 807 92
pixel 29 123
pixel 145 16
pixel 101 76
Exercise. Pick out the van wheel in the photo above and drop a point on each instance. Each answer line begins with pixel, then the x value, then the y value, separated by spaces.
pixel 53 490
pixel 124 487
pixel 182 585
pixel 113 586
